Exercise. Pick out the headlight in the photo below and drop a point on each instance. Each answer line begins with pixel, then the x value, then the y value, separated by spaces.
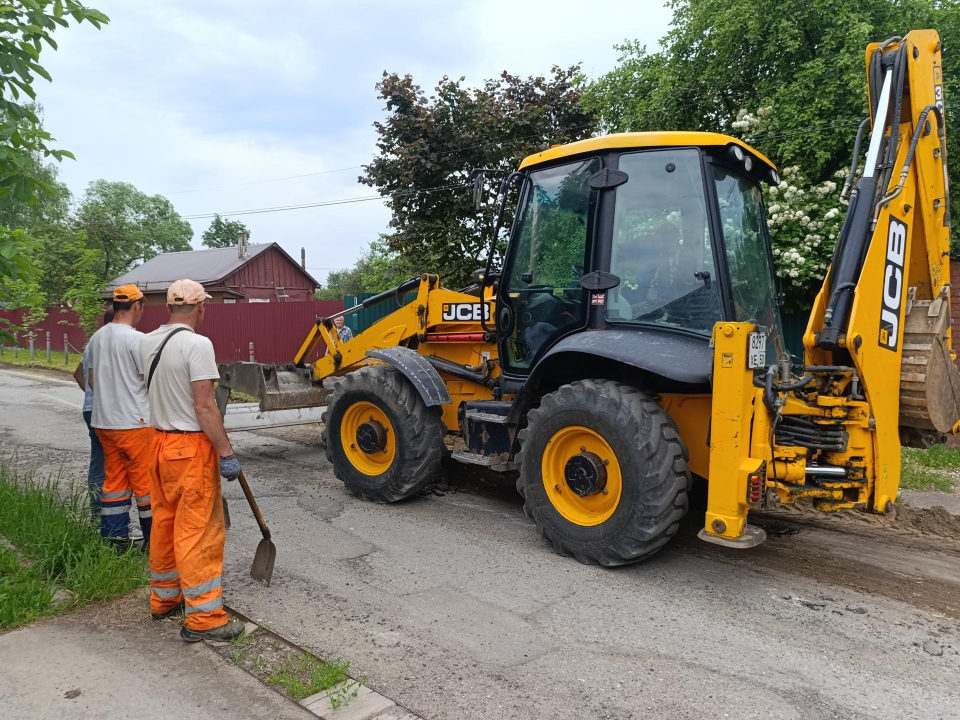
pixel 736 152
pixel 748 163
pixel 773 177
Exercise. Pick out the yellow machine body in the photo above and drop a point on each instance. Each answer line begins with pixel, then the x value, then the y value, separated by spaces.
pixel 831 436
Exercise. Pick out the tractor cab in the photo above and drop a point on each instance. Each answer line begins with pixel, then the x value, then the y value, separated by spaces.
pixel 660 233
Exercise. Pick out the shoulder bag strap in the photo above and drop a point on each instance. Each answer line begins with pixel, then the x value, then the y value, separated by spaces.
pixel 156 358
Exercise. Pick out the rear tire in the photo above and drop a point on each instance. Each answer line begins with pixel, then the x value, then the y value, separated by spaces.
pixel 411 444
pixel 646 467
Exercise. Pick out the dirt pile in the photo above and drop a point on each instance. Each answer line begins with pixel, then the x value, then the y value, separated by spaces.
pixel 929 521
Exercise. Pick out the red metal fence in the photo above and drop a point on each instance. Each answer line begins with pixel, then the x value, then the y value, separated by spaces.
pixel 276 329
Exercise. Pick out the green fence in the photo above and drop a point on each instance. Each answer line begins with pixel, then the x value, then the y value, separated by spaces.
pixel 362 319
pixel 794 326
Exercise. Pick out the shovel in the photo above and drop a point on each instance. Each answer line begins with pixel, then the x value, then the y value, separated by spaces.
pixel 266 554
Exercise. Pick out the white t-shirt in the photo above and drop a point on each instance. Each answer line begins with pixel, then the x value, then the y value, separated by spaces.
pixel 120 397
pixel 186 358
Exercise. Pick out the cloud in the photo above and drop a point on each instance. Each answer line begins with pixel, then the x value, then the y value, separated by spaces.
pixel 182 95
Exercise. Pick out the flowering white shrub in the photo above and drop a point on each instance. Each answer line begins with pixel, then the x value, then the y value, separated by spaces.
pixel 804 221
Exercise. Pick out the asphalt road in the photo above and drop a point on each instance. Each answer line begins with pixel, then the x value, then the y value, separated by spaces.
pixel 452 606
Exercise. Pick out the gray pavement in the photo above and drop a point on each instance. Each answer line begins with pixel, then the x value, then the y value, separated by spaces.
pixel 107 662
pixel 453 607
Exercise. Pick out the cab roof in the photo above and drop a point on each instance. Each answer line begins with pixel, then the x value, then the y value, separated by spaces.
pixel 628 141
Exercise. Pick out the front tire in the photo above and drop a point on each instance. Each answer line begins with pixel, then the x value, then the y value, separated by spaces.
pixel 603 472
pixel 384 443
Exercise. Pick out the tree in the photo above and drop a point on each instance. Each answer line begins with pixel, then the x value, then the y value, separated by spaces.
pixel 25 27
pixel 48 207
pixel 223 232
pixel 803 60
pixel 16 270
pixel 429 145
pixel 25 294
pixel 378 269
pixel 83 285
pixel 129 226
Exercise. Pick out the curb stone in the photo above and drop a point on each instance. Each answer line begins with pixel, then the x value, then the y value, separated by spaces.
pixel 366 705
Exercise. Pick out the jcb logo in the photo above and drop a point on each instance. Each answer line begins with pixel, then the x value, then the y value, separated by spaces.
pixel 465 312
pixel 893 284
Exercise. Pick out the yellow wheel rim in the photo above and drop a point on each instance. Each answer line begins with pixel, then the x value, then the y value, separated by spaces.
pixel 363 423
pixel 577 447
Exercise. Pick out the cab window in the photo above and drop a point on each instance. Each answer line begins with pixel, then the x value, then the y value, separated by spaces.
pixel 661 247
pixel 542 281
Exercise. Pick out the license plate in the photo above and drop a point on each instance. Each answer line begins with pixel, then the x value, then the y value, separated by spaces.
pixel 757 357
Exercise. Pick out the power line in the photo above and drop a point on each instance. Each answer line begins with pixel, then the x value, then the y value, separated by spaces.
pixel 814 130
pixel 443 153
pixel 327 203
pixel 259 182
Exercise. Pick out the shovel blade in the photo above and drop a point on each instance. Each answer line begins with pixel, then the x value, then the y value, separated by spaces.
pixel 263 561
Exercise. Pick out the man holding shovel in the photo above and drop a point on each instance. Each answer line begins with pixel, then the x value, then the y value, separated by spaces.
pixel 186 550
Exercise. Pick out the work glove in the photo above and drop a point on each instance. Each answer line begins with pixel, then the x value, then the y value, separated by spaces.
pixel 229 467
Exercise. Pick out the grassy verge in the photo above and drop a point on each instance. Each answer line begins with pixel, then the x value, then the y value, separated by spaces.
pixel 935 469
pixel 40 359
pixel 295 673
pixel 23 593
pixel 50 526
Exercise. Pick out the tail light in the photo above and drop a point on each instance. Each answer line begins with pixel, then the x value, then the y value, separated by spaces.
pixel 756 483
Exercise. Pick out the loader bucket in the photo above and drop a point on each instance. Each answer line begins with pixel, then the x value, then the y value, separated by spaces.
pixel 929 379
pixel 276 389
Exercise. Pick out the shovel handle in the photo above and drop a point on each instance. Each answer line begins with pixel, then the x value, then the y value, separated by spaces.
pixel 264 530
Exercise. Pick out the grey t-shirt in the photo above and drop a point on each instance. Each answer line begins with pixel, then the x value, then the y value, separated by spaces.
pixel 120 397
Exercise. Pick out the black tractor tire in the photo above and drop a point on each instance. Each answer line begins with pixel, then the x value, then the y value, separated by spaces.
pixel 419 434
pixel 653 462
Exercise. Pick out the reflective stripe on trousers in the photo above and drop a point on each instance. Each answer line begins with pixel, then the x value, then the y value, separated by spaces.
pixel 165 589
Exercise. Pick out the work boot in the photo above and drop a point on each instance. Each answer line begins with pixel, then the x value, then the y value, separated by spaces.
pixel 175 610
pixel 231 631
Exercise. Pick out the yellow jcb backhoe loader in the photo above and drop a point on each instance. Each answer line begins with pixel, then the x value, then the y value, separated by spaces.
pixel 632 338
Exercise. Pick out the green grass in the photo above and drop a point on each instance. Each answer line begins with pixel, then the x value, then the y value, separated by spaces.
pixel 40 359
pixel 240 646
pixel 50 525
pixel 306 675
pixel 935 469
pixel 24 595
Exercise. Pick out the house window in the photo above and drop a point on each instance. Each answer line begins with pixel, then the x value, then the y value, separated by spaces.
pixel 259 300
pixel 229 301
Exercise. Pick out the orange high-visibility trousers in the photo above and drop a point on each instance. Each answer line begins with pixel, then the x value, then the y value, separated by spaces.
pixel 129 460
pixel 186 549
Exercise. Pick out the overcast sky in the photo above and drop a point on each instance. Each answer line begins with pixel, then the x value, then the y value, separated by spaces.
pixel 182 97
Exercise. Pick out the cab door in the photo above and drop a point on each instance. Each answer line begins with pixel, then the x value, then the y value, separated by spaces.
pixel 540 298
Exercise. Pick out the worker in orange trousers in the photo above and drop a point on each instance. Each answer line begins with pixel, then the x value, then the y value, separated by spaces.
pixel 186 550
pixel 121 417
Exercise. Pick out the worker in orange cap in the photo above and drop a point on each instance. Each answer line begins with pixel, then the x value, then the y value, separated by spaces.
pixel 121 417
pixel 186 552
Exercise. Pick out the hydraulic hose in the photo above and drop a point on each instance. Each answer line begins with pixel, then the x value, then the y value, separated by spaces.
pixel 918 131
pixel 854 165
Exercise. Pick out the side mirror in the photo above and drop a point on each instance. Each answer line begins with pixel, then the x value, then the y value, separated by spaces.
pixel 478 192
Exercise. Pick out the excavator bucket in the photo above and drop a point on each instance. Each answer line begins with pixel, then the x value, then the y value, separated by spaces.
pixel 929 379
pixel 276 389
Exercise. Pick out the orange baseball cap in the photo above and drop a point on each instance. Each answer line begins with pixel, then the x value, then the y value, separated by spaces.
pixel 186 292
pixel 127 293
